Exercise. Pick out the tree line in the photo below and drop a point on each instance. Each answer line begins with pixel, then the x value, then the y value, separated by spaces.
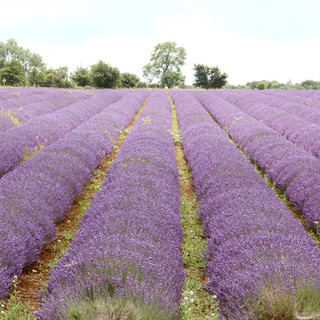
pixel 21 67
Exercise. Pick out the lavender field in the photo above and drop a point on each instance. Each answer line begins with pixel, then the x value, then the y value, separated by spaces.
pixel 254 172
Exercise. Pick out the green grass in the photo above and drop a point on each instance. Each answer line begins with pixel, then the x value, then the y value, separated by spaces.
pixel 15 309
pixel 197 303
pixel 106 308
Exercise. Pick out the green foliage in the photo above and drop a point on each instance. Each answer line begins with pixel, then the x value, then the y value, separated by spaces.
pixel 55 78
pixel 165 65
pixel 14 308
pixel 36 77
pixel 14 73
pixel 30 61
pixel 310 84
pixel 129 80
pixel 105 76
pixel 106 308
pixel 283 305
pixel 261 86
pixel 275 85
pixel 209 77
pixel 81 76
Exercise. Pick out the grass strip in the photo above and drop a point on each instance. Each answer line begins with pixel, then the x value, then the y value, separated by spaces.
pixel 197 303
pixel 12 116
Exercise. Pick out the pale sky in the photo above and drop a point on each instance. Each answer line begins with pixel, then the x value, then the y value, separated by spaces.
pixel 248 39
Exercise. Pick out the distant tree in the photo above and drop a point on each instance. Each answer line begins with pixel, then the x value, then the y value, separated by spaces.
pixel 36 77
pixel 261 86
pixel 105 76
pixel 29 60
pixel 165 65
pixel 209 77
pixel 56 78
pixel 13 71
pixel 129 80
pixel 310 84
pixel 81 76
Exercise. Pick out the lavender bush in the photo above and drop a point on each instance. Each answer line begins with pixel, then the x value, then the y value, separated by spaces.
pixel 261 263
pixel 302 111
pixel 293 170
pixel 17 98
pixel 46 129
pixel 40 191
pixel 128 246
pixel 295 129
pixel 5 124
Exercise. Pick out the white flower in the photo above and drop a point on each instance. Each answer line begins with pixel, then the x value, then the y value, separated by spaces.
pixel 191 292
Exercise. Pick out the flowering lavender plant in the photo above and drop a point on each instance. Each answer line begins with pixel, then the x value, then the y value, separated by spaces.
pixel 39 192
pixel 128 246
pixel 295 171
pixel 51 127
pixel 261 263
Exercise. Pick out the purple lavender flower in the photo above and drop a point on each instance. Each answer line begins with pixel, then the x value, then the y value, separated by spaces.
pixel 129 242
pixel 259 256
pixel 39 192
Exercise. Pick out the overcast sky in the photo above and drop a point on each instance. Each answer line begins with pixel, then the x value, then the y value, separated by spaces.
pixel 248 39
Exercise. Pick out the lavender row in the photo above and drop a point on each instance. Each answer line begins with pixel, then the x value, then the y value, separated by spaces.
pixel 258 253
pixel 291 168
pixel 46 129
pixel 308 113
pixel 45 105
pixel 306 97
pixel 128 246
pixel 5 124
pixel 35 109
pixel 40 191
pixel 297 130
pixel 14 99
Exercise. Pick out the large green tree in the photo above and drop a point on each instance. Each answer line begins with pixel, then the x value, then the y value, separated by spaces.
pixel 209 77
pixel 55 78
pixel 129 80
pixel 105 76
pixel 13 71
pixel 81 76
pixel 29 60
pixel 165 65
